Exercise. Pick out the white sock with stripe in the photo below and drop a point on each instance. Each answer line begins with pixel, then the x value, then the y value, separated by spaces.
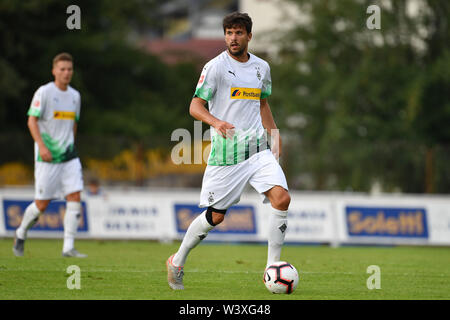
pixel 197 231
pixel 277 232
pixel 71 220
pixel 30 217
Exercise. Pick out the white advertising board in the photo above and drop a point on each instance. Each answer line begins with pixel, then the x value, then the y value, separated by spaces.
pixel 313 217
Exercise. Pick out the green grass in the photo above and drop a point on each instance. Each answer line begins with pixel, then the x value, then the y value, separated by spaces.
pixel 136 270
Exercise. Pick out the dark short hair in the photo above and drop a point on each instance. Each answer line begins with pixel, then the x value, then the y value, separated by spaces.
pixel 237 19
pixel 64 56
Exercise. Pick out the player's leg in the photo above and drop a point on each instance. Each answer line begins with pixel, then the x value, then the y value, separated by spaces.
pixel 217 195
pixel 46 186
pixel 197 231
pixel 71 222
pixel 30 217
pixel 72 183
pixel 269 180
pixel 279 199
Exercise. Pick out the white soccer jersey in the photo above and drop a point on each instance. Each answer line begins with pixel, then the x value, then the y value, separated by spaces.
pixel 57 110
pixel 233 90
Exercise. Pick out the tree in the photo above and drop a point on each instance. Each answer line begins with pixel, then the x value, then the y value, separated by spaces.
pixel 371 105
pixel 129 97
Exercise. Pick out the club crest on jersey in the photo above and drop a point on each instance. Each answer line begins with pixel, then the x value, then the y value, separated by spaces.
pixel 258 74
pixel 245 93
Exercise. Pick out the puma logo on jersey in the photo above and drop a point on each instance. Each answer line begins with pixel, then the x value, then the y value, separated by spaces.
pixel 232 73
pixel 245 93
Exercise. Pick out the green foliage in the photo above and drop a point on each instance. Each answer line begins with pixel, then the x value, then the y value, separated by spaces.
pixel 372 102
pixel 126 93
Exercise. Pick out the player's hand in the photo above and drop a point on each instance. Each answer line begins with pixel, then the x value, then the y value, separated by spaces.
pixel 45 154
pixel 225 129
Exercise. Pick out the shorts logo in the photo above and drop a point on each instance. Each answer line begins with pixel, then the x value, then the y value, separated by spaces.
pixel 211 197
pixel 245 93
pixel 64 115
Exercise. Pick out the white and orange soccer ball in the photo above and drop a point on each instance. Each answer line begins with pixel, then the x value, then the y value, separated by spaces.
pixel 281 277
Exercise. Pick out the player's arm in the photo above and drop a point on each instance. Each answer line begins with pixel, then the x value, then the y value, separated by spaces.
pixel 75 126
pixel 269 124
pixel 36 134
pixel 198 110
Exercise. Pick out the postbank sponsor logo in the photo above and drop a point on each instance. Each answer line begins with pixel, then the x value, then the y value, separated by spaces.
pixel 64 115
pixel 245 93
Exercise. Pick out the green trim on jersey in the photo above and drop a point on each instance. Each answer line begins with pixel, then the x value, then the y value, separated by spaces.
pixel 34 112
pixel 266 92
pixel 204 93
pixel 59 153
pixel 227 152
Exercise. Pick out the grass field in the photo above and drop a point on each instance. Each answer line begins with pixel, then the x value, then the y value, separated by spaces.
pixel 136 270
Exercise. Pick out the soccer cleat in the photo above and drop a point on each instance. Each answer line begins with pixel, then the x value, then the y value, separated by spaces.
pixel 18 247
pixel 74 253
pixel 174 275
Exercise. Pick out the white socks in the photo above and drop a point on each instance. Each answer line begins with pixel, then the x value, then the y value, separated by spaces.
pixel 71 220
pixel 196 232
pixel 277 231
pixel 200 227
pixel 30 217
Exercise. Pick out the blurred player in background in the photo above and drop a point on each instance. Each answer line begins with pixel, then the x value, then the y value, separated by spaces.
pixel 236 85
pixel 93 187
pixel 52 121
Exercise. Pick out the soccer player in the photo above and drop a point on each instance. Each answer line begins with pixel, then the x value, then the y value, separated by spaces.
pixel 52 121
pixel 236 85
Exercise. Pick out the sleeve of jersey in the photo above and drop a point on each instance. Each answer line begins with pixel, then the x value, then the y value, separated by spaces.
pixel 77 116
pixel 206 86
pixel 36 107
pixel 266 89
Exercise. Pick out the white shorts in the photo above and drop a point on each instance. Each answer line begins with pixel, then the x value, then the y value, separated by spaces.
pixel 57 180
pixel 223 185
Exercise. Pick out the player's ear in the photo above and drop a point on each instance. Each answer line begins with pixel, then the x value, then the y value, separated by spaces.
pixel 249 36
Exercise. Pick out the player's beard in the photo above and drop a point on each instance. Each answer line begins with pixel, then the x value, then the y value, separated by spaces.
pixel 236 53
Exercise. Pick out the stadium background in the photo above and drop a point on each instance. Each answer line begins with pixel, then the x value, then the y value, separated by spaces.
pixel 363 114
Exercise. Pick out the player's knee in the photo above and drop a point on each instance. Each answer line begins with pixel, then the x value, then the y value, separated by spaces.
pixel 217 218
pixel 41 205
pixel 76 196
pixel 282 202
